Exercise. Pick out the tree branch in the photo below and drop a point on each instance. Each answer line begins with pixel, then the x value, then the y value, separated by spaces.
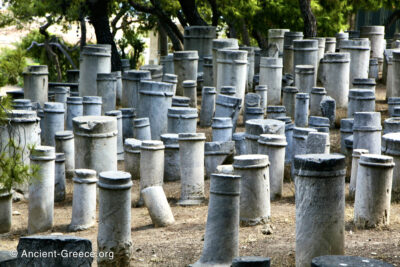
pixel 215 12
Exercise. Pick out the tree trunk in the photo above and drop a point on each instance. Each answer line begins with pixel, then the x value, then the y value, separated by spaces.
pixel 191 13
pixel 245 34
pixel 215 12
pixel 82 22
pixel 310 23
pixel 163 39
pixel 391 19
pixel 99 19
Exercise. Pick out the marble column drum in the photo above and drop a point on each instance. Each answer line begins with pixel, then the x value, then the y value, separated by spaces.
pixel 254 128
pixel 367 131
pixel 182 120
pixel 130 87
pixel 92 105
pixel 316 96
pixel 288 39
pixel 306 53
pixel 185 67
pixel 271 76
pixel 53 122
pixel 120 142
pixel 357 153
pixel 74 109
pixel 215 154
pixel 289 99
pixel 172 171
pixel 304 78
pixel 36 83
pixel 141 129
pixel 207 106
pixel 221 129
pixel 391 147
pixel 217 44
pixel 59 178
pixel 359 50
pixel 107 90
pixel 132 157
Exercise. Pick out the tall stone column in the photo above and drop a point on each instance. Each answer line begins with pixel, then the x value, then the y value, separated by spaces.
pixel 74 109
pixel 288 53
pixel 36 83
pixel 185 67
pixel 53 122
pixel 306 53
pixel 217 44
pixel 107 90
pixel 271 76
pixel 305 79
pixel 131 86
pixel 359 50
pixel 207 106
pixel 367 131
pixel 92 105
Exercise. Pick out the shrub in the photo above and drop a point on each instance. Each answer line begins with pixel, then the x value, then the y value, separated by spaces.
pixel 12 64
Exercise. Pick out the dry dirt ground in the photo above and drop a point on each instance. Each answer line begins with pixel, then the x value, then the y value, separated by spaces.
pixel 181 243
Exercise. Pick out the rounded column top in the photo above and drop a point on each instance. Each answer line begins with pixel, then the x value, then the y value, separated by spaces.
pixel 186 55
pixel 209 90
pixel 330 40
pixel 221 122
pixel 97 50
pixel 301 132
pixel 132 145
pixel 180 101
pixel 61 89
pixel 141 122
pixel 276 109
pixel 376 160
pixel 261 87
pixel 336 58
pixel 378 30
pixel 394 100
pixel 228 90
pixel 262 126
pixel 170 140
pixel 114 180
pixel 192 137
pixel 255 110
pixel 228 100
pixel 232 56
pixel 367 121
pixel 95 126
pixel 225 184
pixel 348 142
pixel 273 140
pixel 43 69
pixel 318 121
pixel 77 100
pixel 239 136
pixel 271 62
pixel 22 116
pixel 136 75
pixel 231 43
pixel 64 135
pixel 251 260
pixel 290 89
pixel 364 81
pixel 302 96
pixel 189 83
pixel 356 43
pixel 358 152
pixel 342 35
pixel 346 125
pixel 114 113
pixel 170 78
pixel 152 145
pixel 127 112
pixel 208 32
pixel 156 88
pixel 182 112
pixel 305 44
pixel 92 100
pixel 307 69
pixel 54 107
pixel 391 144
pixel 60 157
pixel 84 176
pixel 219 148
pixel 250 161
pixel 106 77
pixel 273 33
pixel 43 153
pixel 361 94
pixel 318 90
pixel 287 120
pixel 320 165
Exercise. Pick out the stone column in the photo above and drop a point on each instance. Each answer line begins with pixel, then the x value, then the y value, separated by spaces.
pixel 128 115
pixel 289 98
pixel 59 178
pixel 172 79
pixel 96 143
pixel 364 83
pixel 21 104
pixel 36 83
pixel 185 67
pixel 262 91
pixel 207 105
pixel 132 157
pixel 374 186
pixel 74 109
pixel 120 141
pixel 228 106
pixel 273 145
pixel 321 124
pixel 171 157
pixel 61 93
pixel 131 85
pixel 217 44
pixel 300 142
pixel 341 36
pixel 306 53
pixel 157 205
pixel 215 154
pixel 276 36
pixel 118 87
pixel 346 129
pixel 367 131
pixel 357 153
pixel 271 76
pixel 301 112
pixel 232 70
pixel 330 45
pixel 155 100
pixel 288 39
pixel 190 91
pixel 240 143
pixel 208 71
pixel 221 129
pixel 336 77
pixel 53 122
pixel 92 105
pixel 274 112
pixel 318 143
pixel 289 138
pixel 373 71
pixel 389 79
pixel 254 188
pixel 156 71
pixel 360 100
pixel 251 100
pixel 320 203
pixel 114 234
pixel 94 59
pixel 167 62
pixel 182 120
pixel 180 101
pixel 41 190
pixel 228 90
pixel 396 73
pixel 254 128
pixel 391 147
pixel 141 129
pixel 254 113
pixel 83 200
pixel 222 227
pixel 376 35
pixel 304 78
pixel 391 125
pixel 191 153
pixel 321 52
pixel 359 50
pixel 250 66
pixel 316 96
pixel 107 90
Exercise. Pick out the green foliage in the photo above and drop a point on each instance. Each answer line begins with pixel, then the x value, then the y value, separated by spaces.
pixel 12 64
pixel 133 42
pixel 13 170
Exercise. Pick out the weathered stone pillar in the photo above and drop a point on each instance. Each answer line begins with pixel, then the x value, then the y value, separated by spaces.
pixel 41 190
pixel 301 111
pixel 318 143
pixel 222 227
pixel 141 129
pixel 373 194
pixel 83 200
pixel 207 106
pixel 250 66
pixel 254 128
pixel 215 153
pixel 274 112
pixel 289 37
pixel 337 260
pixel 364 83
pixel 22 104
pixel 316 96
pixel 276 36
pixel 289 125
pixel 156 71
pixel 396 74
pixel 336 77
pixel 208 79
pixel 217 44
pixel 182 120
pixel 191 153
pixel 120 141
pixel 359 50
pixel 114 234
pixel 155 100
pixel 367 131
pixel 346 129
pixel 254 188
pixel 118 86
pixel 157 205
pixel 376 35
pixel 289 98
pixel 61 93
pixel 341 36
pixel 180 101
pixel 92 105
pixel 391 147
pixel 107 90
pixel 304 80
pixel 221 129
pixel 96 143
pixel 262 91
pixel 373 71
pixel 271 76
pixel 360 100
pixel 172 79
pixel 240 143
pixel 306 53
pixel 389 79
pixel 128 115
pixel 94 59
pixel 321 124
pixel 228 106
pixel 251 261
pixel 36 83
pixel 190 91
pixel 171 157
pixel 391 125
pixel 59 178
pixel 228 90
pixel 321 52
pixel 185 66
pixel 273 145
pixel 74 109
pixel 320 202
pixel 132 157
pixel 300 142
pixel 131 86
pixel 5 211
pixel 357 153
pixel 167 62
pixel 53 122
pixel 330 45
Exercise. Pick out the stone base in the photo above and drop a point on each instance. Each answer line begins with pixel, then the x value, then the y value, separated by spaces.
pixel 252 222
pixel 76 228
pixel 191 202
